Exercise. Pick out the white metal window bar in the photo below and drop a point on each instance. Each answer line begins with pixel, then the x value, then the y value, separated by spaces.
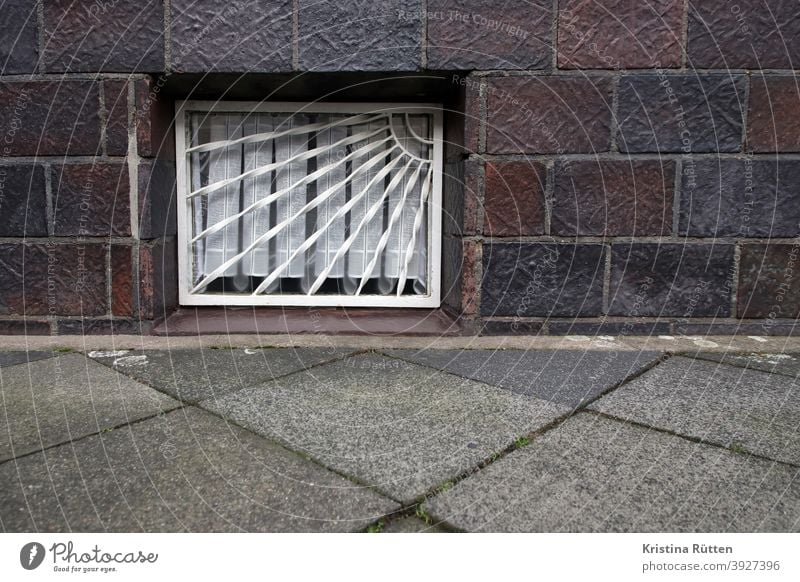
pixel 309 204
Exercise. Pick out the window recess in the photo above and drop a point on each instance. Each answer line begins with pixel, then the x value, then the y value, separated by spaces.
pixel 309 204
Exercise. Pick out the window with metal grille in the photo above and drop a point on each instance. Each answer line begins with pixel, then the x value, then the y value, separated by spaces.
pixel 309 204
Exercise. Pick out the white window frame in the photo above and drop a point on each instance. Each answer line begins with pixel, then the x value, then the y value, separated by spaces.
pixel 434 226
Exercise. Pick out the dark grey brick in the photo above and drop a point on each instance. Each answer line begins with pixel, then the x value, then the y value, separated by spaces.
pixel 18 47
pixel 23 205
pixel 104 36
pixel 746 198
pixel 360 35
pixel 157 204
pixel 666 113
pixel 684 280
pixel 538 279
pixel 232 36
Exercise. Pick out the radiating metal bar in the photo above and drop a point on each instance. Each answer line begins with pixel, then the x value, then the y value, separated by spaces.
pixel 271 135
pixel 387 233
pixel 278 228
pixel 364 221
pixel 417 223
pixel 303 181
pixel 379 176
pixel 296 158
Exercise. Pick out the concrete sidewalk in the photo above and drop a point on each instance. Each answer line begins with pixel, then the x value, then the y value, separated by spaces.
pixel 588 435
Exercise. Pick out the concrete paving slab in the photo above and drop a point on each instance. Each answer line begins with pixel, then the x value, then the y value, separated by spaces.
pixel 411 525
pixel 597 474
pixel 568 377
pixel 729 406
pixel 397 426
pixel 184 471
pixel 778 363
pixel 194 375
pixel 19 357
pixel 55 400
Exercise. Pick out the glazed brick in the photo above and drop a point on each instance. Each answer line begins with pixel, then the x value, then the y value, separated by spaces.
pixel 514 199
pixel 234 36
pixel 157 199
pixel 158 279
pixel 50 118
pixel 104 36
pixel 619 34
pixel 756 34
pixel 681 113
pixel 115 94
pixel 470 34
pixel 682 280
pixel 542 279
pixel 772 121
pixel 360 35
pixel 23 201
pixel 18 44
pixel 121 281
pixel 548 115
pixel 769 281
pixel 613 198
pixel 743 197
pixel 153 116
pixel 91 200
pixel 55 279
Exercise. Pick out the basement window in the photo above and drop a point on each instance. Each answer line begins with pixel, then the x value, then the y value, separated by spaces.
pixel 316 204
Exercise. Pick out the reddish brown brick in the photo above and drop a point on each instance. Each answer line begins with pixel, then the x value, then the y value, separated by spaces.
pixel 115 94
pixel 613 198
pixel 153 118
pixel 772 121
pixel 619 34
pixel 548 115
pixel 473 34
pixel 514 199
pixel 769 281
pixel 121 281
pixel 55 279
pixel 104 36
pixel 91 200
pixel 756 34
pixel 50 118
pixel 470 285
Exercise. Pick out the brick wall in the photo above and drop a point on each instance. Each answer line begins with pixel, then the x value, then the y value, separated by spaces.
pixel 613 167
